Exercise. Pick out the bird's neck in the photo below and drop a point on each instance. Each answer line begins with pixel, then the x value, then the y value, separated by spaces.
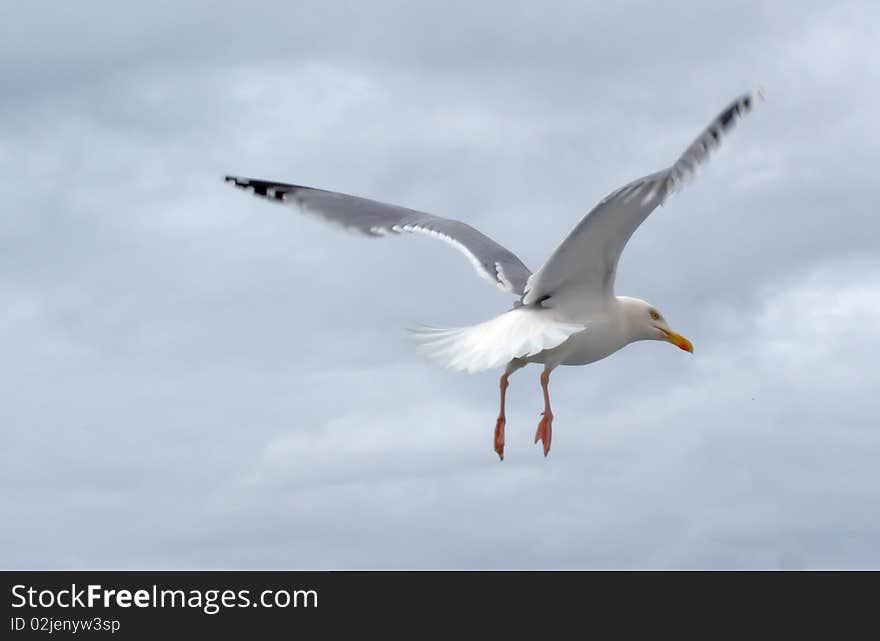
pixel 628 310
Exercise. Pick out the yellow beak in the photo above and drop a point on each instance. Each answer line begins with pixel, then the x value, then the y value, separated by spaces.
pixel 679 341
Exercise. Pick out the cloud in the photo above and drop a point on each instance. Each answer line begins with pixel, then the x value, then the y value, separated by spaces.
pixel 198 379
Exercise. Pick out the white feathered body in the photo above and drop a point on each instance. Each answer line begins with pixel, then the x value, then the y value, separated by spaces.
pixel 604 336
pixel 531 334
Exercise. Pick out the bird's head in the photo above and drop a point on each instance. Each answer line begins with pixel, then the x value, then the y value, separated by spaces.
pixel 647 323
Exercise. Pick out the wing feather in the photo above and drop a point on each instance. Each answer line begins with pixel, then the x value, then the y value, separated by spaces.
pixel 584 265
pixel 372 218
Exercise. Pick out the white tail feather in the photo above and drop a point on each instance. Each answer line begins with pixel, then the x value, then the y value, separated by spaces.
pixel 518 333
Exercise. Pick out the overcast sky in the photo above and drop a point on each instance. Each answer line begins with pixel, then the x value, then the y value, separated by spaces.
pixel 193 378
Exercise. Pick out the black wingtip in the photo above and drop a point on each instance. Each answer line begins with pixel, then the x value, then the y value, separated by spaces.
pixel 241 183
pixel 267 189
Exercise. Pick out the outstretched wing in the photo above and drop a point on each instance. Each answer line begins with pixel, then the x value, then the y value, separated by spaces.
pixel 585 263
pixel 374 219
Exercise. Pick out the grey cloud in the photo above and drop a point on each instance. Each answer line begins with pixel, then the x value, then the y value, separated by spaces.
pixel 198 379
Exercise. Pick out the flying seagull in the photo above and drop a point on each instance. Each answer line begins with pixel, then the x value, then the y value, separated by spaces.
pixel 567 313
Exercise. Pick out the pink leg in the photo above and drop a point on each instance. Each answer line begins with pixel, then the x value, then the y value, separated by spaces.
pixel 502 420
pixel 545 427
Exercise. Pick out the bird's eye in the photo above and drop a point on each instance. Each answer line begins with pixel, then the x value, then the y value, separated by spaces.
pixel 654 315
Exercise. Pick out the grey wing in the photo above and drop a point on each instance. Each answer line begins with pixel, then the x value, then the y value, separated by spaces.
pixel 374 219
pixel 585 263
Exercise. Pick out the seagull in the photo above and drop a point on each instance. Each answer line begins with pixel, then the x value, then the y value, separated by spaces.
pixel 567 312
